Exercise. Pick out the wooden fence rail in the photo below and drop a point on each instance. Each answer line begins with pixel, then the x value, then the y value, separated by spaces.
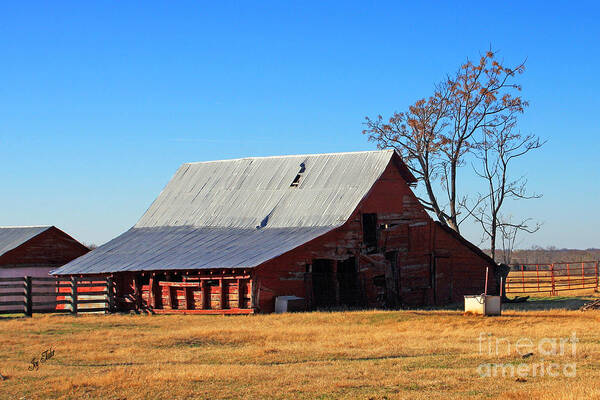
pixel 29 295
pixel 553 278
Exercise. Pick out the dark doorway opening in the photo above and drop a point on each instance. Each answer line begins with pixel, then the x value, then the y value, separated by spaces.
pixel 324 283
pixel 348 281
pixel 335 283
pixel 392 280
pixel 369 225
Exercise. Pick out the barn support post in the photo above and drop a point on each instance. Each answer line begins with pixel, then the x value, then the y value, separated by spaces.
pixel 240 295
pixel 205 295
pixel 151 291
pixel 137 292
pixel 222 291
pixel 28 297
pixel 74 295
pixel 308 286
pixel 110 295
pixel 254 293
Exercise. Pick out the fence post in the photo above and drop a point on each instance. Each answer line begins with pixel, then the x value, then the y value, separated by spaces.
pixel 596 270
pixel 552 279
pixel 74 295
pixel 28 297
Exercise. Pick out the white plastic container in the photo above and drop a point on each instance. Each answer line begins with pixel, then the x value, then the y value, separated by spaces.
pixel 288 303
pixel 483 305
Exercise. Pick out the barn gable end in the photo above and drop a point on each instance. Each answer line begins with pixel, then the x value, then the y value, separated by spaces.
pixel 34 251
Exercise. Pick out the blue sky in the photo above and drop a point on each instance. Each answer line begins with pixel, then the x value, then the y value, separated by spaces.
pixel 100 102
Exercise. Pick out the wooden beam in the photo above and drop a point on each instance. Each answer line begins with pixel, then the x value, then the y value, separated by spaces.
pixel 137 292
pixel 167 301
pixel 222 287
pixel 205 295
pixel 28 297
pixel 151 297
pixel 240 296
pixel 74 295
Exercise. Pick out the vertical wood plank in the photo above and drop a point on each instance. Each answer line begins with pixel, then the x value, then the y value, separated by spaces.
pixel 137 292
pixel 240 294
pixel 222 287
pixel 74 295
pixel 151 296
pixel 205 296
pixel 110 286
pixel 28 297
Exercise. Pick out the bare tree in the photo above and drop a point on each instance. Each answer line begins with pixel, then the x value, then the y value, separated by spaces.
pixel 499 147
pixel 436 133
pixel 508 235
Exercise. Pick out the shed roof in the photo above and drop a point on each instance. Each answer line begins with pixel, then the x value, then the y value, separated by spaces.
pixel 241 213
pixel 12 237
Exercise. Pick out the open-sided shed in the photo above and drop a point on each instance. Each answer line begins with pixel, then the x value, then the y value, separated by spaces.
pixel 341 229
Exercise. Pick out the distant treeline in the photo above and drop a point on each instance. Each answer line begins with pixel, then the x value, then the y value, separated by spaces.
pixel 553 255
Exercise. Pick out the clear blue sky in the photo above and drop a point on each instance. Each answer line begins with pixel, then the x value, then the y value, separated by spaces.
pixel 100 102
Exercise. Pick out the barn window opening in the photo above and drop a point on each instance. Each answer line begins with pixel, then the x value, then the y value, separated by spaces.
pixel 296 181
pixel 369 225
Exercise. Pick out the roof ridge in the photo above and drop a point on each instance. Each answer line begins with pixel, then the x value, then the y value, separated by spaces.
pixel 26 226
pixel 292 155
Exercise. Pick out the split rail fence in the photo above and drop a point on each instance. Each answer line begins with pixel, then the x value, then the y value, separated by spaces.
pixel 29 295
pixel 553 278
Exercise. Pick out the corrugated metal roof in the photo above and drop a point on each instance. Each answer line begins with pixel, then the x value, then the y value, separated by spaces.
pixel 12 237
pixel 242 193
pixel 239 213
pixel 180 247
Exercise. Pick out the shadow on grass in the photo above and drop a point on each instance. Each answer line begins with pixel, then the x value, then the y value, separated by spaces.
pixel 532 304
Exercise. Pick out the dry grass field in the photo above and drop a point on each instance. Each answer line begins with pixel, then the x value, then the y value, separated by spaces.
pixel 365 355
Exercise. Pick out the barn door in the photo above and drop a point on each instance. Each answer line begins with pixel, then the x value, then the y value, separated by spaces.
pixel 348 282
pixel 324 283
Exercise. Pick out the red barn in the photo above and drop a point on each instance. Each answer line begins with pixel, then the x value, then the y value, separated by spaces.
pixel 334 229
pixel 34 251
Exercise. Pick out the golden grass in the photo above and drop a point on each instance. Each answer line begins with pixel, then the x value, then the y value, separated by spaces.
pixel 364 355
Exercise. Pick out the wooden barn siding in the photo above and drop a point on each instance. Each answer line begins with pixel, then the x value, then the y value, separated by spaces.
pixel 465 268
pixel 51 247
pixel 393 202
pixel 418 240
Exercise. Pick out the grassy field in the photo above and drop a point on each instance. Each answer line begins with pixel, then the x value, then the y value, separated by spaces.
pixel 432 354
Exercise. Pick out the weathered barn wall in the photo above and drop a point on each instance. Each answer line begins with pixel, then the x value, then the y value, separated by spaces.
pixel 51 247
pixel 432 265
